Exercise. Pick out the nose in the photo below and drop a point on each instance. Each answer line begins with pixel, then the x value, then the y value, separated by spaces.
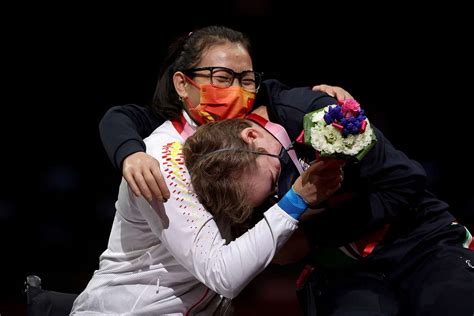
pixel 236 81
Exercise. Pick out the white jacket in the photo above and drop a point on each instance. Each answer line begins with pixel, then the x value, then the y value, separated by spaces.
pixel 170 259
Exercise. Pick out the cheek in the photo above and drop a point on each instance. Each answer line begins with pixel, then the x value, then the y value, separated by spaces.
pixel 259 188
pixel 194 96
pixel 276 166
pixel 257 195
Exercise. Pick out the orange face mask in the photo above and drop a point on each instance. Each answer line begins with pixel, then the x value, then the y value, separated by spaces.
pixel 220 103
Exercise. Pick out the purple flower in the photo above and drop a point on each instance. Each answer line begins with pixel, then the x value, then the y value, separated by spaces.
pixel 348 117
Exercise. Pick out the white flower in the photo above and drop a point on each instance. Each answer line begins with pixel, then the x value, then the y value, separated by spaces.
pixel 328 140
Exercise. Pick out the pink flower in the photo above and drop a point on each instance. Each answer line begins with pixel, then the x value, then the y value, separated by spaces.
pixel 349 107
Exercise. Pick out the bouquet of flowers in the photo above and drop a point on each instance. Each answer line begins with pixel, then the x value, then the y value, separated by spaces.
pixel 339 130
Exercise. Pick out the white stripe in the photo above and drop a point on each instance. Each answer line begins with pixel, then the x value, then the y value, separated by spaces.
pixel 347 253
pixel 468 240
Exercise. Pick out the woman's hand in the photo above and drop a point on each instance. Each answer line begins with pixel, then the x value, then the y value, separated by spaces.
pixel 320 181
pixel 144 177
pixel 334 91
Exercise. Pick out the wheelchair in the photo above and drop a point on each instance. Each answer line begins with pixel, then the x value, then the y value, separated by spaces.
pixel 41 302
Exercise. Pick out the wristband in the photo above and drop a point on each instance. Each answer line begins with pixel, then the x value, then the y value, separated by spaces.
pixel 293 204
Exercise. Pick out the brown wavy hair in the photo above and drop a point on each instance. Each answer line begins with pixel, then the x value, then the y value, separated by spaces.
pixel 216 176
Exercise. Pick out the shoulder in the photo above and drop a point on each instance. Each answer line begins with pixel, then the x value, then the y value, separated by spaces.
pixel 301 98
pixel 162 135
pixel 171 158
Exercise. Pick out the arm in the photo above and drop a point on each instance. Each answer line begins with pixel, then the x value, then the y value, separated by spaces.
pixel 287 106
pixel 333 91
pixel 122 130
pixel 384 186
pixel 394 182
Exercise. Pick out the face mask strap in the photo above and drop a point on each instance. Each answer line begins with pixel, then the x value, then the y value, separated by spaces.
pixel 240 150
pixel 191 81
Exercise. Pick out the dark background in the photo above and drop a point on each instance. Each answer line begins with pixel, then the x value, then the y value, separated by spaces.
pixel 409 68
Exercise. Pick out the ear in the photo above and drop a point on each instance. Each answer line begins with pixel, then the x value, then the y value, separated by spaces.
pixel 250 135
pixel 180 84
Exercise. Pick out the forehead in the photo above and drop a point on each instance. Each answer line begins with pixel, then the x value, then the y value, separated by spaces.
pixel 230 55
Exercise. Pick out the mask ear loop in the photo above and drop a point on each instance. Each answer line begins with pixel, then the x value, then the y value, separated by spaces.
pixel 191 81
pixel 237 150
pixel 186 99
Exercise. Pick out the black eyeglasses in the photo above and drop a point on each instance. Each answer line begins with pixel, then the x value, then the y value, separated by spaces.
pixel 222 77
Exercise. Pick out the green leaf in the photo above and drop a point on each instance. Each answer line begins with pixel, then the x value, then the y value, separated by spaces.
pixel 308 124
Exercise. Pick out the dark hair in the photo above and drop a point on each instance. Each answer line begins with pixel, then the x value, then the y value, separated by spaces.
pixel 185 53
pixel 216 177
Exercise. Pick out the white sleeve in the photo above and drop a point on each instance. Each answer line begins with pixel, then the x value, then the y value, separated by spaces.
pixel 189 232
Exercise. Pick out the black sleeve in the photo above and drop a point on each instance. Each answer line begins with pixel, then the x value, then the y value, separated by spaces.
pixel 287 106
pixel 395 181
pixel 385 187
pixel 389 183
pixel 380 189
pixel 123 128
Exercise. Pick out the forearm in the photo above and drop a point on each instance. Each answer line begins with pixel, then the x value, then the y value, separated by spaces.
pixel 393 182
pixel 287 106
pixel 191 235
pixel 227 269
